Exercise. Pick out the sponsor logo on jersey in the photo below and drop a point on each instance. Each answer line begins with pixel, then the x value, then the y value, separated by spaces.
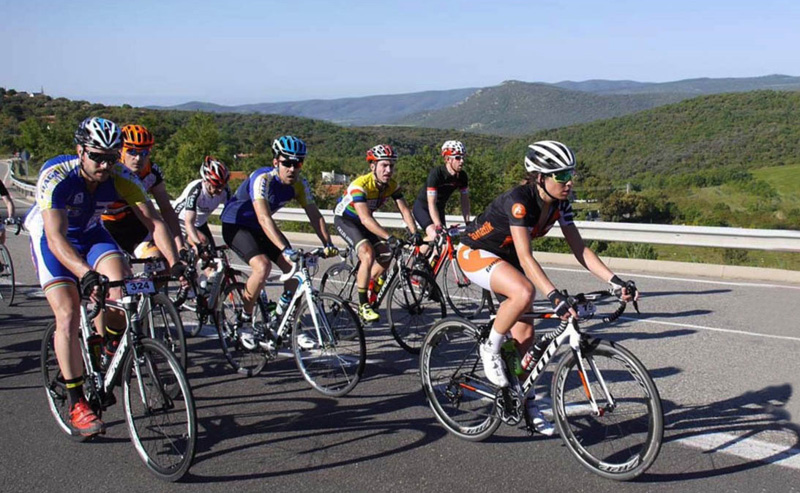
pixel 518 210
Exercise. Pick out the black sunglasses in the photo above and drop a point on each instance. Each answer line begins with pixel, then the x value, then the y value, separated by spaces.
pixel 292 163
pixel 458 158
pixel 102 157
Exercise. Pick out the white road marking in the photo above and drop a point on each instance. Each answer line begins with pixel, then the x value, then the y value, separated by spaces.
pixel 711 329
pixel 751 449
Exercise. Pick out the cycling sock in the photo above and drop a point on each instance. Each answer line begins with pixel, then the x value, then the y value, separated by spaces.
pixel 362 296
pixel 495 341
pixel 74 390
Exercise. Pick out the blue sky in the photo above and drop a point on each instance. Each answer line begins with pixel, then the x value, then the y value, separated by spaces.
pixel 235 52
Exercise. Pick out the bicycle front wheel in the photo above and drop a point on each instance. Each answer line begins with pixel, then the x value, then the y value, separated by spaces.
pixel 339 279
pixel 332 354
pixel 464 297
pixel 244 360
pixel 458 392
pixel 159 409
pixel 163 323
pixel 622 437
pixel 6 277
pixel 414 304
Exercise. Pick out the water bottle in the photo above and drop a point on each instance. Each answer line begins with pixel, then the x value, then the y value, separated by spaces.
pixel 95 343
pixel 536 351
pixel 511 356
pixel 283 302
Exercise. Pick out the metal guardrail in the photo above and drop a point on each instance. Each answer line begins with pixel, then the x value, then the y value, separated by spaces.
pixel 664 234
pixel 25 188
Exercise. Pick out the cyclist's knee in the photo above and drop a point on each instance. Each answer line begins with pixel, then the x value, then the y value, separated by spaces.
pixel 261 267
pixel 366 254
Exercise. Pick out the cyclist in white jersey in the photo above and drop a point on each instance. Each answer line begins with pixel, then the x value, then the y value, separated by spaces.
pixel 200 198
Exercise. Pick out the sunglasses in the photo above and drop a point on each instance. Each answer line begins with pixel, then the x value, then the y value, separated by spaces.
pixel 458 158
pixel 140 153
pixel 563 176
pixel 102 157
pixel 291 163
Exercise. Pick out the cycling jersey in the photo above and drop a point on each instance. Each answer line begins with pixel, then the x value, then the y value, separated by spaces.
pixel 443 184
pixel 366 189
pixel 196 198
pixel 60 186
pixel 150 176
pixel 263 183
pixel 520 206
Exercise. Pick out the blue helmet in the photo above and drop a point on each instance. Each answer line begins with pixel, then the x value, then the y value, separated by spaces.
pixel 290 147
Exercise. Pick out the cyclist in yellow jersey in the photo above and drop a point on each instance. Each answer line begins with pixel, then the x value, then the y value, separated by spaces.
pixel 354 221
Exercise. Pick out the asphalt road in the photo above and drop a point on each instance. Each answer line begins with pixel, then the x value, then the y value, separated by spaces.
pixel 723 355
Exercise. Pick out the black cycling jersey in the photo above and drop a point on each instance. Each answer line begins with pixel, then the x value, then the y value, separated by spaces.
pixel 520 206
pixel 3 190
pixel 441 181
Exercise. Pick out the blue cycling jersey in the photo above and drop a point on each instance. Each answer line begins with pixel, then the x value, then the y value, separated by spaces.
pixel 263 184
pixel 60 186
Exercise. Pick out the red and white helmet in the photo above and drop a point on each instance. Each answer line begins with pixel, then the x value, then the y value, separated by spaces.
pixel 214 172
pixel 453 148
pixel 381 152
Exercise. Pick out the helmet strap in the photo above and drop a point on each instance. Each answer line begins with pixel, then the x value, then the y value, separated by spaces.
pixel 540 183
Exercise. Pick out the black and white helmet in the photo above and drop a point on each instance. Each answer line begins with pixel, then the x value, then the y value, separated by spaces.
pixel 453 148
pixel 548 156
pixel 100 133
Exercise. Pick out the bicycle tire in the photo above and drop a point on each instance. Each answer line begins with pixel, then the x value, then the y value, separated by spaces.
pixel 340 280
pixel 413 308
pixel 162 422
pixel 461 397
pixel 249 362
pixel 464 297
pixel 167 326
pixel 616 444
pixel 54 386
pixel 331 361
pixel 7 286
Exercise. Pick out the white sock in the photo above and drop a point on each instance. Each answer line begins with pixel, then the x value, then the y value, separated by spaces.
pixel 495 341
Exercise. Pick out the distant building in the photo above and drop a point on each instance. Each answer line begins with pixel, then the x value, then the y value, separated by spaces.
pixel 333 178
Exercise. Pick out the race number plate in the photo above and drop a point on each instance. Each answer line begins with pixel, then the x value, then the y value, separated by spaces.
pixel 154 266
pixel 140 286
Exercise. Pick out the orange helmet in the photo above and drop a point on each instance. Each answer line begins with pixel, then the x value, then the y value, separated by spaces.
pixel 137 137
pixel 380 152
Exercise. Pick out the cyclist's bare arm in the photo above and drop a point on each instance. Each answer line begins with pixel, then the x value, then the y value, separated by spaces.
pixel 149 216
pixel 318 223
pixel 368 221
pixel 408 217
pixel 9 205
pixel 432 210
pixel 267 223
pixel 159 193
pixel 55 230
pixel 194 236
pixel 465 207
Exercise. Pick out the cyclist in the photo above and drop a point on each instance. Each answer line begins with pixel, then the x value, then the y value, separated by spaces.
pixel 355 223
pixel 11 211
pixel 495 253
pixel 441 183
pixel 72 251
pixel 119 219
pixel 247 224
pixel 200 198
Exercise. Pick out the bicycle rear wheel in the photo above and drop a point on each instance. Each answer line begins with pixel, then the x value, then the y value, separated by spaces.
pixel 458 392
pixel 414 304
pixel 339 279
pixel 54 386
pixel 6 277
pixel 245 361
pixel 159 410
pixel 623 439
pixel 163 323
pixel 332 359
pixel 464 297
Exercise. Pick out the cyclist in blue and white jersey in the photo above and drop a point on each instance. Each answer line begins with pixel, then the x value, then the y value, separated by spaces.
pixel 247 223
pixel 72 251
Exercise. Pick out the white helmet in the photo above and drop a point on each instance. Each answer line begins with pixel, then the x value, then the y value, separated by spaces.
pixel 453 148
pixel 548 156
pixel 100 133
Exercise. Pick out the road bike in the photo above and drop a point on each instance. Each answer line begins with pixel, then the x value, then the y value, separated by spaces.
pixel 158 403
pixel 7 286
pixel 464 297
pixel 414 300
pixel 325 334
pixel 605 405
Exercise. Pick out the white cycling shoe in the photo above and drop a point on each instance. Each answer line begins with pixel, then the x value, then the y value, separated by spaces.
pixel 493 366
pixel 306 342
pixel 540 422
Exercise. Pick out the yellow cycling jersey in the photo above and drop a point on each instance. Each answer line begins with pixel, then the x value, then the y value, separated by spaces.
pixel 366 189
